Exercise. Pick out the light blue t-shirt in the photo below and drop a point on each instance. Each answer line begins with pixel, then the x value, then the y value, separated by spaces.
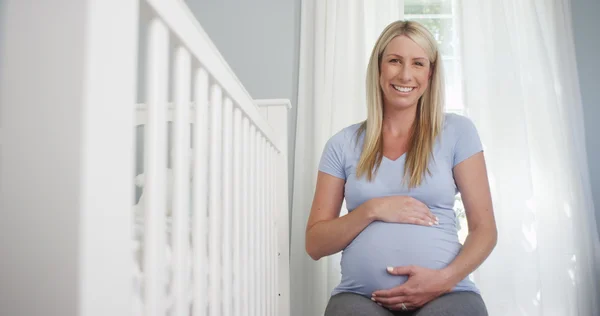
pixel 382 244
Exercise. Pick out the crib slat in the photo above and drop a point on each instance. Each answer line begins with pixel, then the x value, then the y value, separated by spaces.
pixel 256 213
pixel 268 229
pixel 200 225
pixel 237 214
pixel 252 226
pixel 271 237
pixel 274 232
pixel 266 220
pixel 257 209
pixel 276 236
pixel 270 232
pixel 245 214
pixel 277 253
pixel 267 232
pixel 227 244
pixel 261 231
pixel 181 182
pixel 155 169
pixel 215 201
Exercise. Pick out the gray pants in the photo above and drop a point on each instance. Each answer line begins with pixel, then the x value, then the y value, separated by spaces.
pixel 451 304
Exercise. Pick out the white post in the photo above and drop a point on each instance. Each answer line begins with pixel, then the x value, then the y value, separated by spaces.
pixel 270 237
pixel 108 155
pixel 283 233
pixel 66 165
pixel 276 112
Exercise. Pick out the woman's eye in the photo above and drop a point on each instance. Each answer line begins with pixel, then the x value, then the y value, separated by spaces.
pixel 419 63
pixel 394 60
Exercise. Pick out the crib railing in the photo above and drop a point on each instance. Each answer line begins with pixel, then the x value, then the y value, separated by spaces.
pixel 208 230
pixel 237 188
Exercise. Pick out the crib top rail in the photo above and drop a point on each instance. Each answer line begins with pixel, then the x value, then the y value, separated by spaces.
pixel 182 23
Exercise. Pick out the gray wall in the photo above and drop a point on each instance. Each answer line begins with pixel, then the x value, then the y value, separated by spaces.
pixel 586 25
pixel 2 21
pixel 260 40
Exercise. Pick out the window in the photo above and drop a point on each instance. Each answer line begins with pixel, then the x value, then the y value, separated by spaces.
pixel 440 18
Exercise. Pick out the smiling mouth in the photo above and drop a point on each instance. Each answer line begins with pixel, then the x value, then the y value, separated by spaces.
pixel 403 89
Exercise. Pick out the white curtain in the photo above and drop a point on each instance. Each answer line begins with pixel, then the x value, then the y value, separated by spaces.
pixel 521 89
pixel 336 41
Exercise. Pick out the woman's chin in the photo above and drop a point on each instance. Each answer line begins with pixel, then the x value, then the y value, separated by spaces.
pixel 402 104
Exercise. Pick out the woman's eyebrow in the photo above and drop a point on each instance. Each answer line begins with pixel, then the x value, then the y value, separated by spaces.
pixel 401 57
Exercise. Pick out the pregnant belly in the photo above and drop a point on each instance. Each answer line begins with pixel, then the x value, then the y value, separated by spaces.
pixel 380 245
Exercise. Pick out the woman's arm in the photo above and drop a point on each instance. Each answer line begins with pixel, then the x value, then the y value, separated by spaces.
pixel 326 232
pixel 472 181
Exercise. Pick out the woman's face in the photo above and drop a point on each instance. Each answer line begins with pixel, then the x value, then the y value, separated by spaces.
pixel 404 73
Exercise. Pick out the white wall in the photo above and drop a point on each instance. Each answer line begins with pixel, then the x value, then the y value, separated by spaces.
pixel 39 264
pixel 65 177
pixel 586 25
pixel 260 40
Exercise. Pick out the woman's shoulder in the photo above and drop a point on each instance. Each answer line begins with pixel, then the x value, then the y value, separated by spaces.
pixel 337 151
pixel 346 141
pixel 456 124
pixel 462 136
pixel 455 119
pixel 347 134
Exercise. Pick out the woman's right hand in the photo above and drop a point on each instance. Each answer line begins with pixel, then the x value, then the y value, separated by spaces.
pixel 403 209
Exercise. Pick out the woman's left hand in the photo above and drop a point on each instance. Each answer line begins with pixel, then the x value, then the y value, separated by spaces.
pixel 423 285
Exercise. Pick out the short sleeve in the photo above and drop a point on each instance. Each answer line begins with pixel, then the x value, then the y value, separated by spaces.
pixel 333 158
pixel 467 138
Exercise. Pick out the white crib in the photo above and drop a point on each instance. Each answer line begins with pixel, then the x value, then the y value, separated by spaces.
pixel 132 99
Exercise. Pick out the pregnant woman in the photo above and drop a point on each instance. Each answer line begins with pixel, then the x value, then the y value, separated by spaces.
pixel 399 172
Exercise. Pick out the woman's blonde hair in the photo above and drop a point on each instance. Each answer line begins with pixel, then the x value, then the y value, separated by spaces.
pixel 430 107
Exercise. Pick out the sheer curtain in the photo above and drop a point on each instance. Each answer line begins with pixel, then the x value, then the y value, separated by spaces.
pixel 521 89
pixel 336 41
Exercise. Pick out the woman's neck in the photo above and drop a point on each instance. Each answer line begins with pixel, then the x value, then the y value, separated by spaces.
pixel 398 122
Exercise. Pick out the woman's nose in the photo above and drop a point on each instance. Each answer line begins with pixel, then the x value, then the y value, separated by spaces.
pixel 405 73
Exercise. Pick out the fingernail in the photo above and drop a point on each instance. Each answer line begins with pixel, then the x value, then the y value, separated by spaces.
pixel 373 295
pixel 430 224
pixel 372 299
pixel 390 269
pixel 437 222
pixel 379 304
